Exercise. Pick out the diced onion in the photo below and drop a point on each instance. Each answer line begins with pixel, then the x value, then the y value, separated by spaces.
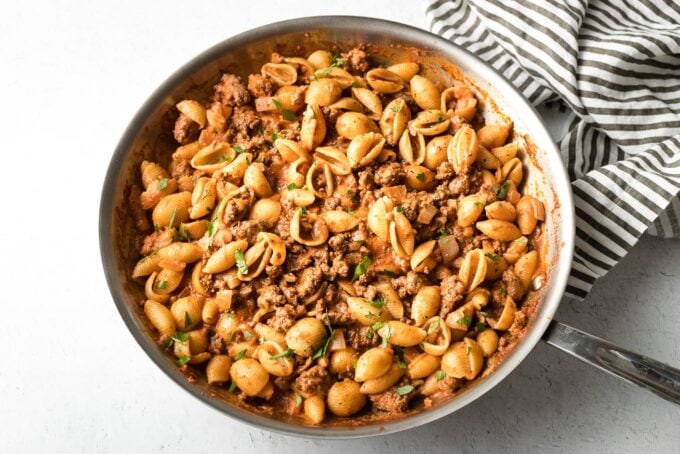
pixel 337 341
pixel 426 214
pixel 449 248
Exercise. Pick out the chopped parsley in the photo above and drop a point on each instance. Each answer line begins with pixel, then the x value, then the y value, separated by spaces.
pixel 355 84
pixel 400 209
pixel 403 390
pixel 180 337
pixel 468 350
pixel 168 342
pixel 275 137
pixel 162 183
pixel 440 374
pixel 479 204
pixel 376 326
pixel 493 257
pixel 241 261
pixel 324 348
pixel 396 109
pixel 212 228
pixel 162 285
pixel 247 335
pixel 338 61
pixel 400 357
pixel 298 399
pixel 465 321
pixel 434 327
pixel 362 267
pixel 481 326
pixel 238 149
pixel 232 387
pixel 213 218
pixel 484 314
pixel 172 217
pixel 504 292
pixel 420 176
pixel 442 233
pixel 291 186
pixel 502 191
pixel 284 354
pixel 241 354
pixel 389 273
pixel 370 333
pixel 303 211
pixel 388 333
pixel 285 113
pixel 379 302
pixel 183 360
pixel 350 191
pixel 184 235
pixel 187 320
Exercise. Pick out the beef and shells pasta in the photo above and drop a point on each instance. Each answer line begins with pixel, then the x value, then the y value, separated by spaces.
pixel 338 240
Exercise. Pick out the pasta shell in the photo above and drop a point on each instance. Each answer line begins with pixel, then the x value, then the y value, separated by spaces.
pixel 349 104
pixel 463 360
pixel 425 93
pixel 402 334
pixel 319 230
pixel 419 178
pixel 254 179
pixel 187 311
pixel 339 75
pixel 516 249
pixel 224 258
pixel 412 148
pixel 291 151
pixel 529 211
pixel 217 370
pixel 335 158
pixel 210 311
pixel 405 71
pixel 402 235
pixel 422 260
pixel 314 409
pixel 267 211
pixel 299 197
pixel 339 221
pixel 172 210
pixel 384 81
pixel 425 304
pixel 505 153
pixel 320 59
pixel 306 336
pixel 436 151
pixel 146 266
pixel 495 266
pixel 249 375
pixel 438 337
pixel 268 333
pixel 320 168
pixel 525 267
pixel 373 363
pixel 394 119
pixel 469 209
pixel 512 171
pixel 488 342
pixel 507 317
pixel 313 127
pixel 276 244
pixel 226 326
pixel 466 108
pixel 493 136
pixel 423 365
pixel 366 313
pixel 429 123
pixel 281 73
pixel 281 366
pixel 160 317
pixel 213 157
pixel 323 92
pixel 384 382
pixel 194 110
pixel 364 149
pixel 344 398
pixel 235 170
pixel 369 100
pixel 473 269
pixel 392 300
pixel 499 230
pixel 377 217
pixel 295 173
pixel 181 252
pixel 463 148
pixel 352 124
pixel 343 361
pixel 501 210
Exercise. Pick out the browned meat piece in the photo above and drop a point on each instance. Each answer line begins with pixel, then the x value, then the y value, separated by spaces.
pixel 181 168
pixel 284 317
pixel 390 401
pixel 357 61
pixel 186 130
pixel 513 284
pixel 452 291
pixel 244 120
pixel 237 206
pixel 362 338
pixel 246 230
pixel 270 296
pixel 487 193
pixel 459 185
pixel 409 284
pixel 339 314
pixel 157 240
pixel 309 281
pixel 339 267
pixel 444 171
pixel 260 86
pixel 314 380
pixel 366 180
pixel 389 174
pixel 231 91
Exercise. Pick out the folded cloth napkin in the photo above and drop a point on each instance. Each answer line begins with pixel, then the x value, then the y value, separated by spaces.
pixel 616 67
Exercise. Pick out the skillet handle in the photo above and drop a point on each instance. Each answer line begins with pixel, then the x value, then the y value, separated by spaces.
pixel 653 375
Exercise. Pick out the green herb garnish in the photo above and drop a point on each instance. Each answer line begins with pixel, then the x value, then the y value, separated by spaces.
pixel 241 261
pixel 379 302
pixel 385 338
pixel 232 387
pixel 400 357
pixel 420 176
pixel 479 204
pixel 241 354
pixel 247 335
pixel 396 109
pixel 502 192
pixel 493 257
pixel 291 186
pixel 285 113
pixel 172 217
pixel 303 211
pixel 183 360
pixel 465 321
pixel 389 273
pixel 213 218
pixel 440 374
pixel 238 149
pixel 298 399
pixel 284 354
pixel 211 229
pixel 180 337
pixel 162 183
pixel 187 320
pixel 324 348
pixel 403 390
pixel 362 267
pixel 162 285
pixel 484 314
pixel 355 84
pixel 481 326
pixel 400 209
pixel 433 327
pixel 338 61
pixel 504 292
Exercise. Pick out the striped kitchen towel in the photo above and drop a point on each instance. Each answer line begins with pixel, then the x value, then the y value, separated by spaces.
pixel 616 67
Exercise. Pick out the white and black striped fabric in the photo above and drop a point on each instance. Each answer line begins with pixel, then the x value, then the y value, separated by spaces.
pixel 616 66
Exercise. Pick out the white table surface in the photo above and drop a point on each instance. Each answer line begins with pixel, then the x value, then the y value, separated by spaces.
pixel 72 379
